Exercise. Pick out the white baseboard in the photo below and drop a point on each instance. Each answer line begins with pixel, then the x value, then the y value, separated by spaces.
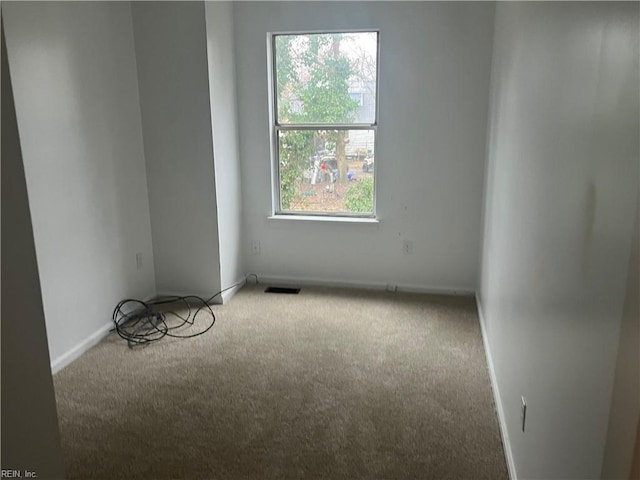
pixel 75 352
pixel 203 295
pixel 228 295
pixel 219 299
pixel 324 282
pixel 496 395
pixel 85 345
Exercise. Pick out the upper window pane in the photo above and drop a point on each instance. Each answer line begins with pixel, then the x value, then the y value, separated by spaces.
pixel 327 78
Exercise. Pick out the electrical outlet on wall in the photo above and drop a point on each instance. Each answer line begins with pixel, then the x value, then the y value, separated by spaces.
pixel 407 247
pixel 255 247
pixel 139 260
pixel 523 412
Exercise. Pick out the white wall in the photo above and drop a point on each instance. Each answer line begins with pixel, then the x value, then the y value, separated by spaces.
pixel 171 52
pixel 29 421
pixel 222 88
pixel 76 95
pixel 562 184
pixel 434 84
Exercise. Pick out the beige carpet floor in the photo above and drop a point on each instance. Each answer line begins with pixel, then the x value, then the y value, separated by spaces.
pixel 327 384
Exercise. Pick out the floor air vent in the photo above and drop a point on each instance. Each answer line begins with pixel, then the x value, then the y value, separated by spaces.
pixel 282 290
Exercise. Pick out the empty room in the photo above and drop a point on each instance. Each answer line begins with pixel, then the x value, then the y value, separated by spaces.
pixel 320 240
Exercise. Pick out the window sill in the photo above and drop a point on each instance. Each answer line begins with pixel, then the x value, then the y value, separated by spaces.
pixel 321 218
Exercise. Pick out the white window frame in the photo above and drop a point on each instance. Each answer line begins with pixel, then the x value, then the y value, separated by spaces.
pixel 276 128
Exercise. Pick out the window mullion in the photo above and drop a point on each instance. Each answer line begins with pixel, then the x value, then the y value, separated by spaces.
pixel 354 126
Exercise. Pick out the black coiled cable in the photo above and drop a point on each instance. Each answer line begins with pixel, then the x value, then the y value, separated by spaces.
pixel 141 323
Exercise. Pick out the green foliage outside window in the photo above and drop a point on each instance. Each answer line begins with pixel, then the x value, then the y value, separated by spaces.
pixel 359 197
pixel 312 87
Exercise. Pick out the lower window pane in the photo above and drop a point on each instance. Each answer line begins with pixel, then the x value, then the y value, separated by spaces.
pixel 327 171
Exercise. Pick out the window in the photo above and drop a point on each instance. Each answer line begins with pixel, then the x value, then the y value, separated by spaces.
pixel 324 122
